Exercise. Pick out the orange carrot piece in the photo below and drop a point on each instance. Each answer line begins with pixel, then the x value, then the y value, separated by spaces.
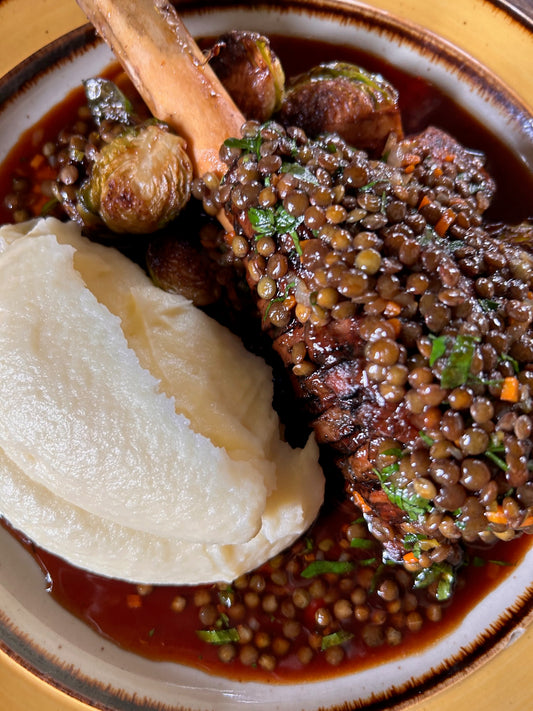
pixel 510 389
pixel 37 161
pixel 527 522
pixel 444 222
pixel 425 201
pixel 360 502
pixel 396 324
pixel 496 516
pixel 133 601
pixel 410 558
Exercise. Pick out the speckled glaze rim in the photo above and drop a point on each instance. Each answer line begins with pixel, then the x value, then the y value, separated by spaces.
pixel 80 685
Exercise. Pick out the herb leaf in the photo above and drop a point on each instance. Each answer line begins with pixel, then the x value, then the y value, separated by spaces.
pixel 412 504
pixel 442 573
pixel 319 567
pixel 218 636
pixel 457 369
pixel 250 144
pixel 300 171
pixel 335 638
pixel 362 543
pixel 438 348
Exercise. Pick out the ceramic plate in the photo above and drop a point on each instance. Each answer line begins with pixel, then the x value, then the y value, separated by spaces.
pixel 54 646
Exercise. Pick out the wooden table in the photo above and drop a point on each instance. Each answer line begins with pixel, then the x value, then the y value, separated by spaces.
pixel 505 682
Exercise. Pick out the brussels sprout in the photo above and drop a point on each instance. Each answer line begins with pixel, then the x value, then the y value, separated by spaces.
pixel 339 97
pixel 180 266
pixel 251 73
pixel 106 102
pixel 138 182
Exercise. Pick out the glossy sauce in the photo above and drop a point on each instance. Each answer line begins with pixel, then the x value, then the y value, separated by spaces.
pixel 149 621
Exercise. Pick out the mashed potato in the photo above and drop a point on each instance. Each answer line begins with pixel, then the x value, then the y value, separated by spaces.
pixel 140 440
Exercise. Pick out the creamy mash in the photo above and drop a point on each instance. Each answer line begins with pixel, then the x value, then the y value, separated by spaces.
pixel 139 439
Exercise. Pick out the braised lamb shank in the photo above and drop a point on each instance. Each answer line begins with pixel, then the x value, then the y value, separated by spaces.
pixel 404 321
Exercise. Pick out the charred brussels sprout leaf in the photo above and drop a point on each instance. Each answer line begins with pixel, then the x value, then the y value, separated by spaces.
pixel 250 72
pixel 138 182
pixel 339 97
pixel 106 101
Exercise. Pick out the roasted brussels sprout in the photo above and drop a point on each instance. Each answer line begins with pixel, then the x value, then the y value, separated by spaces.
pixel 251 73
pixel 138 182
pixel 339 97
pixel 181 266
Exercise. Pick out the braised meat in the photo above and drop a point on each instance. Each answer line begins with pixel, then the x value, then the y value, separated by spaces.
pixel 405 325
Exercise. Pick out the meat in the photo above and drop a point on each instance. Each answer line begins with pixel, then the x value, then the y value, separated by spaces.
pixel 405 325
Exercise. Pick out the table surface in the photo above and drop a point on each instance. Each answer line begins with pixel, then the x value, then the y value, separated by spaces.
pixel 505 682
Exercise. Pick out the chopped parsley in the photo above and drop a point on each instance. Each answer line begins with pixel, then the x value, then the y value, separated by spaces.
pixel 250 144
pixel 456 372
pixel 335 638
pixel 320 567
pixel 509 359
pixel 362 543
pixel 414 505
pixel 218 636
pixel 300 171
pixel 268 222
pixel 442 574
pixel 438 348
pixel 426 439
pixel 493 451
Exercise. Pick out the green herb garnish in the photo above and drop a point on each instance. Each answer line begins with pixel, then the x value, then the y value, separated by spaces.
pixel 412 504
pixel 429 441
pixel 493 450
pixel 438 348
pixel 250 144
pixel 457 369
pixel 442 573
pixel 218 636
pixel 335 638
pixel 362 543
pixel 299 171
pixel 509 359
pixel 268 222
pixel 488 304
pixel 320 567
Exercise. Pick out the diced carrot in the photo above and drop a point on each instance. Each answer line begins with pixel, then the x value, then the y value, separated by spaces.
pixel 527 522
pixel 360 502
pixel 37 161
pixel 444 222
pixel 410 558
pixel 449 158
pixel 425 201
pixel 510 389
pixel 392 309
pixel 396 324
pixel 409 168
pixel 133 601
pixel 496 516
pixel 438 172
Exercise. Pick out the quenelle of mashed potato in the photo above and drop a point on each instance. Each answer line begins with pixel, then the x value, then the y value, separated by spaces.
pixel 139 439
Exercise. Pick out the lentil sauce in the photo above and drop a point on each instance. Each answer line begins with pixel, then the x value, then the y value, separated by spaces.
pixel 283 621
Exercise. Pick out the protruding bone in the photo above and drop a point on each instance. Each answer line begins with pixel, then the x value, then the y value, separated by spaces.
pixel 170 72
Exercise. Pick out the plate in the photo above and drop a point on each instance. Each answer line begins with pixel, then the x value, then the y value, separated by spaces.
pixel 65 655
